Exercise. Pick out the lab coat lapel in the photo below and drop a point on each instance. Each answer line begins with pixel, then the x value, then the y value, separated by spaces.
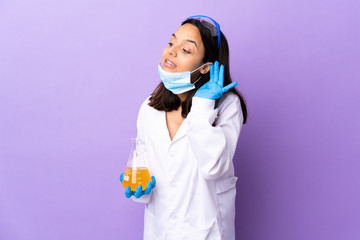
pixel 181 131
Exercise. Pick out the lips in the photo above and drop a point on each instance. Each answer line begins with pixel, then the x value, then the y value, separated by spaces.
pixel 169 63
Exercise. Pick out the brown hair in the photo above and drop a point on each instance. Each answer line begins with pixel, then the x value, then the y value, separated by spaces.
pixel 164 100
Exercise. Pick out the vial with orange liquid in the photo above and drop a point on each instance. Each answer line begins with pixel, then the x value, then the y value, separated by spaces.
pixel 137 171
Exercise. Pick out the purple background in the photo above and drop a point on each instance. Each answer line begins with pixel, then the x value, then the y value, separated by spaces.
pixel 74 73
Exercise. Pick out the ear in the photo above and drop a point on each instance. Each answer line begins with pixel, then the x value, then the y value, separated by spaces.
pixel 205 69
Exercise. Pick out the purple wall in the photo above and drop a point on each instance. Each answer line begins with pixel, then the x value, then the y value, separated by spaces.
pixel 74 73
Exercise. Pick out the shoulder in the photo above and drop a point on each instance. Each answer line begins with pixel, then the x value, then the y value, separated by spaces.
pixel 143 112
pixel 145 107
pixel 145 103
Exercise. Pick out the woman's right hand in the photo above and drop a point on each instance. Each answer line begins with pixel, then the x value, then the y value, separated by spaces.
pixel 138 193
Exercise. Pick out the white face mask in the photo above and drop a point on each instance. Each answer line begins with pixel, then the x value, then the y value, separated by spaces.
pixel 177 82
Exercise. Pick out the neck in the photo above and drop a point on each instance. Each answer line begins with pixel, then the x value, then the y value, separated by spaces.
pixel 182 96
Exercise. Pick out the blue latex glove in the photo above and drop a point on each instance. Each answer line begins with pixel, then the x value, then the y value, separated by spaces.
pixel 138 193
pixel 213 89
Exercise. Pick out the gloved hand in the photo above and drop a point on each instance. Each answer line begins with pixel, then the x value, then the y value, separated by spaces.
pixel 138 193
pixel 213 89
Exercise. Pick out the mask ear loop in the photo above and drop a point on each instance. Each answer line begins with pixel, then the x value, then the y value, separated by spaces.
pixel 216 105
pixel 197 79
pixel 201 74
pixel 199 67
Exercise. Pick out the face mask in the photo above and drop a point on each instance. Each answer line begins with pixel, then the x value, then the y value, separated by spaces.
pixel 177 82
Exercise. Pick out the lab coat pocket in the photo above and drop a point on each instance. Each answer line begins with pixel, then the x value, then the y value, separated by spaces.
pixel 225 194
pixel 205 233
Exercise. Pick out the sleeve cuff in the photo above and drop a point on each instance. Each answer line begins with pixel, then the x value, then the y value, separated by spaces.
pixel 142 199
pixel 202 109
pixel 202 104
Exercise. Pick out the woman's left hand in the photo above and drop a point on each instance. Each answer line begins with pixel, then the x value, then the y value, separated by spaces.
pixel 214 89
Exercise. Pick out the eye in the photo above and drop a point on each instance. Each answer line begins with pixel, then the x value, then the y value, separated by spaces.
pixel 170 43
pixel 186 51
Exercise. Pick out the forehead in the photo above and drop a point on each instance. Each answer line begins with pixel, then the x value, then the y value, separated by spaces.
pixel 188 31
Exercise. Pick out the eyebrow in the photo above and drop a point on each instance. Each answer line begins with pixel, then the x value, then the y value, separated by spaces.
pixel 187 40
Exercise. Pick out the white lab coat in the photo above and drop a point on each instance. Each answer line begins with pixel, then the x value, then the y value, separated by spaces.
pixel 194 197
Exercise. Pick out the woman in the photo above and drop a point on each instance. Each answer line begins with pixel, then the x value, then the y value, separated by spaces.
pixel 190 125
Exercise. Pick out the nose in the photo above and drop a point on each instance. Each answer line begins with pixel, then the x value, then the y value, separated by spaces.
pixel 172 50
